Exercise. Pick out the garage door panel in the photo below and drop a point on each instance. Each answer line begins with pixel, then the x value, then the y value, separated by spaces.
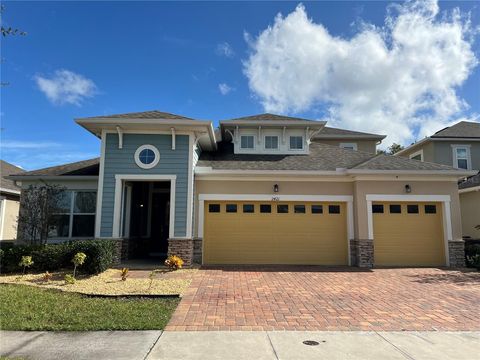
pixel 275 238
pixel 408 239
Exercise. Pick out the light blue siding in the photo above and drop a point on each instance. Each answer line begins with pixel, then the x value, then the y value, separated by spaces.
pixel 121 161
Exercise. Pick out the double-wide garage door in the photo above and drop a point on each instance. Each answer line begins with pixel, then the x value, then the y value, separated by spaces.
pixel 408 234
pixel 249 232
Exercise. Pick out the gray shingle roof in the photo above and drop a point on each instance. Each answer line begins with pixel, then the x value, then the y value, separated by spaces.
pixel 80 168
pixel 8 169
pixel 390 162
pixel 322 157
pixel 472 181
pixel 153 114
pixel 463 129
pixel 271 117
pixel 329 131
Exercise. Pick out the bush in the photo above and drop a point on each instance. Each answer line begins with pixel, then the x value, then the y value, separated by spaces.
pixel 51 257
pixel 174 262
pixel 472 253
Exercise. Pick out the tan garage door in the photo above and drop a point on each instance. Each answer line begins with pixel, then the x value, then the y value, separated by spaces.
pixel 408 234
pixel 248 232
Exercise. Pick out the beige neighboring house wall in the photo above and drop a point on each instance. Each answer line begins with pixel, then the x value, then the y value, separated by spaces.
pixel 8 219
pixel 369 146
pixel 470 208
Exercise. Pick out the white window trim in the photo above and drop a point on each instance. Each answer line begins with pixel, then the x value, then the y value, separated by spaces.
pixel 455 159
pixel 416 153
pixel 349 145
pixel 247 148
pixel 303 143
pixel 265 142
pixel 117 207
pixel 146 147
pixel 444 199
pixel 268 197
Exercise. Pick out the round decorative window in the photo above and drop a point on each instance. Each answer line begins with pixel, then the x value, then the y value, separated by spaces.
pixel 147 156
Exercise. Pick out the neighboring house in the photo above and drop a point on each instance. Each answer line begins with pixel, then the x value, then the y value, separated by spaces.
pixel 264 189
pixel 9 201
pixel 470 206
pixel 459 146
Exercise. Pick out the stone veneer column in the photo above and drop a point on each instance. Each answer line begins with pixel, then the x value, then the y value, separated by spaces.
pixel 182 248
pixel 456 253
pixel 353 252
pixel 365 253
pixel 197 250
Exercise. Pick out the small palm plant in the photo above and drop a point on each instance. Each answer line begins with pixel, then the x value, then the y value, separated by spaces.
pixel 25 263
pixel 78 260
pixel 124 274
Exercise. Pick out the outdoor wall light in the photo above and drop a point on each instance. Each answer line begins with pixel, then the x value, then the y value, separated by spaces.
pixel 275 188
pixel 408 189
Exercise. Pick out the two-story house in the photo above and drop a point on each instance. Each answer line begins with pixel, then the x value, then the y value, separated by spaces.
pixel 263 189
pixel 458 146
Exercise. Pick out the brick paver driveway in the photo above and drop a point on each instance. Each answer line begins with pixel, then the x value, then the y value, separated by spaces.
pixel 318 298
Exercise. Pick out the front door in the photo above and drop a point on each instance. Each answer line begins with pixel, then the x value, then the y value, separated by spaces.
pixel 160 223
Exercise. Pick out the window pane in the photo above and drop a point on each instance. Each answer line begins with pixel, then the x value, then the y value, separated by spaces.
pixel 412 209
pixel 317 209
pixel 85 202
pixel 462 163
pixel 430 209
pixel 299 209
pixel 62 202
pixel 282 209
pixel 246 142
pixel 334 209
pixel 417 157
pixel 395 209
pixel 265 208
pixel 146 156
pixel 83 225
pixel 461 153
pixel 271 142
pixel 296 142
pixel 58 226
pixel 248 208
pixel 377 209
pixel 214 208
pixel 231 208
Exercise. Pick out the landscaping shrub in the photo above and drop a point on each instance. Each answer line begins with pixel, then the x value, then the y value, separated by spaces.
pixel 472 253
pixel 51 257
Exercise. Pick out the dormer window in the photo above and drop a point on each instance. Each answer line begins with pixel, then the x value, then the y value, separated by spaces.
pixel 271 142
pixel 296 142
pixel 247 142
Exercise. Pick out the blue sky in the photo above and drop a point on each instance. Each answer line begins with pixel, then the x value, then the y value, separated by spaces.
pixel 211 60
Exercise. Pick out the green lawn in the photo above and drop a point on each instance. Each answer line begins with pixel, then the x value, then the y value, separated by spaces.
pixel 30 308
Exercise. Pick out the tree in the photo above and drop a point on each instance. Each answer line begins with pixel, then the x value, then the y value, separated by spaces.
pixel 9 30
pixel 392 149
pixel 38 204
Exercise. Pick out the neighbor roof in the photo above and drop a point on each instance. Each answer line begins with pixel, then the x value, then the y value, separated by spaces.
pixel 472 181
pixel 322 157
pixel 463 129
pixel 80 168
pixel 329 132
pixel 5 170
pixel 267 117
pixel 153 114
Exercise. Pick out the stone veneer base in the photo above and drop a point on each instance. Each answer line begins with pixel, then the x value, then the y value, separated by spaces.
pixel 456 253
pixel 182 248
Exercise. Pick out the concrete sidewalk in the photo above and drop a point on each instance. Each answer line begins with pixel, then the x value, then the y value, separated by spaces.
pixel 211 345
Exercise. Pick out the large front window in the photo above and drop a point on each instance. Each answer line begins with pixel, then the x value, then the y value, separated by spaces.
pixel 296 142
pixel 247 141
pixel 74 215
pixel 271 142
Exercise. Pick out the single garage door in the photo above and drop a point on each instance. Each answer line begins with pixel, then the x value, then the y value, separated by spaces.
pixel 248 232
pixel 408 234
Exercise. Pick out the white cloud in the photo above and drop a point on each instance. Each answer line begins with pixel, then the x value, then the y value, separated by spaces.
pixel 66 87
pixel 225 49
pixel 225 89
pixel 400 79
pixel 14 144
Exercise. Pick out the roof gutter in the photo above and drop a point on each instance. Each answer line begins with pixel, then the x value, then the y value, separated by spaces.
pixel 9 191
pixel 470 189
